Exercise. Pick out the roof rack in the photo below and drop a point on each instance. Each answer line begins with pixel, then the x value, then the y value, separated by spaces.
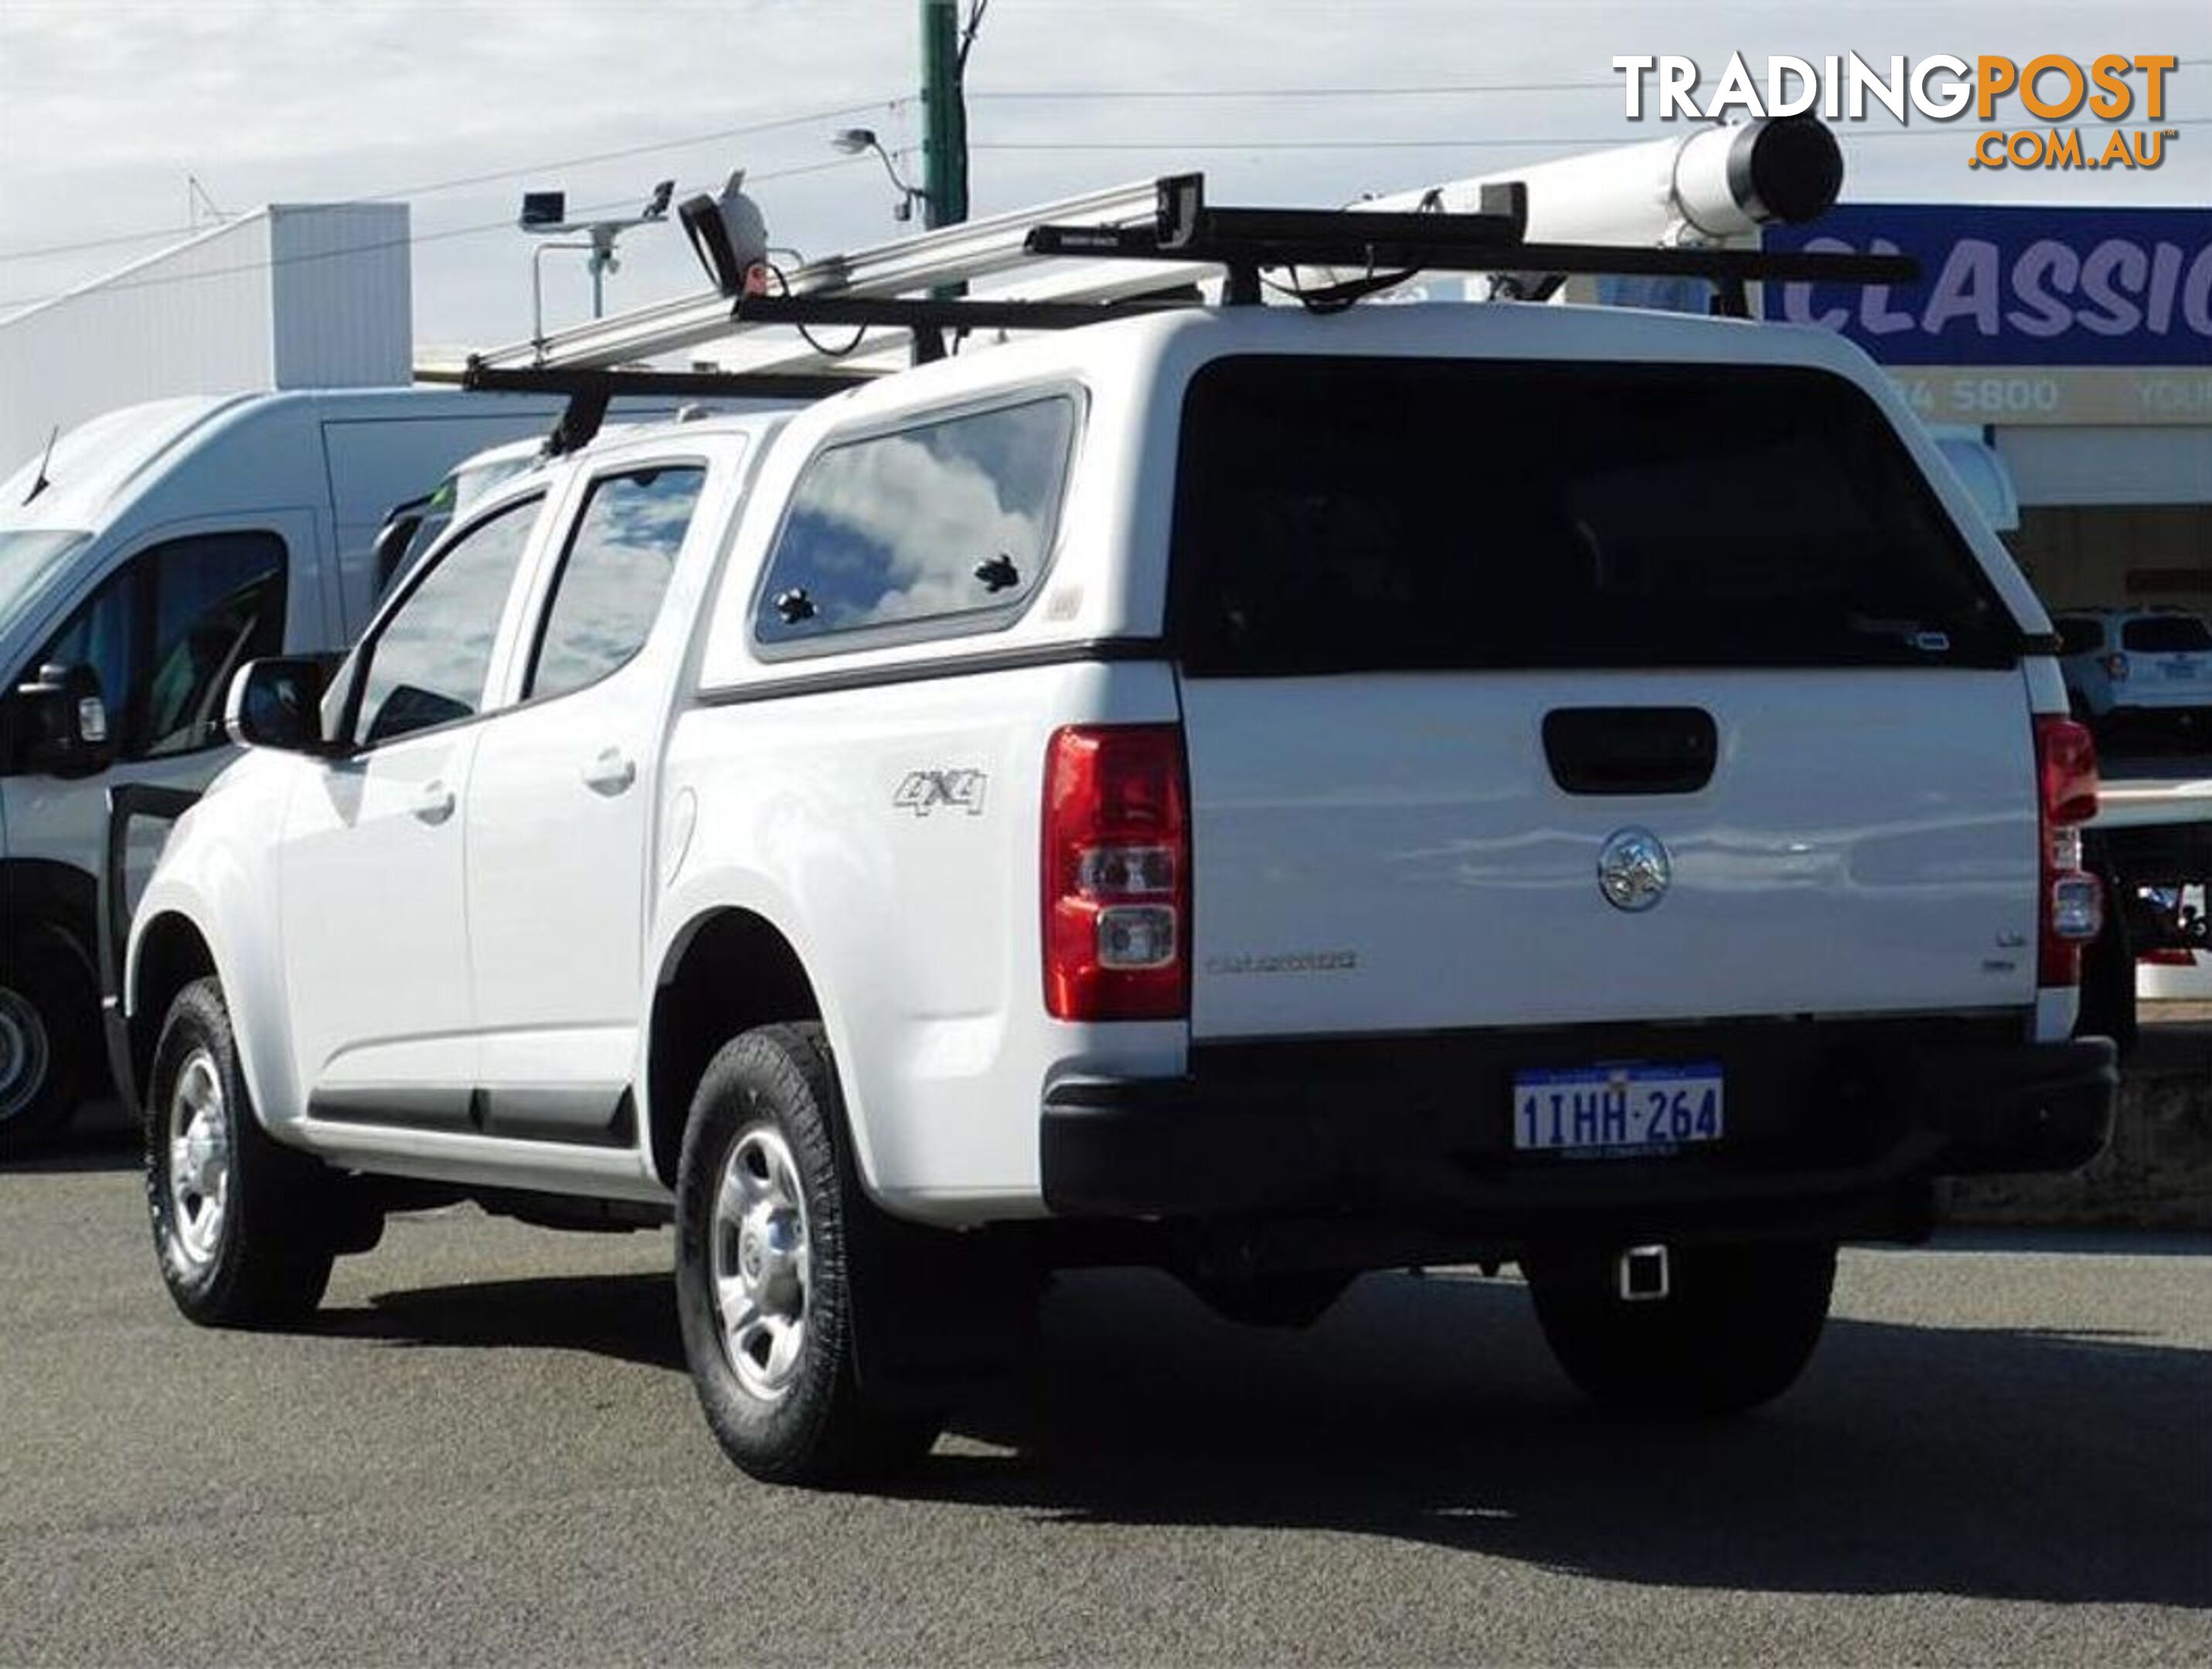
pixel 1381 249
pixel 1395 246
pixel 1672 207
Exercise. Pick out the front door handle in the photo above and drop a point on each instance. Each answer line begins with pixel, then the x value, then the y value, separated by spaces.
pixel 611 773
pixel 435 803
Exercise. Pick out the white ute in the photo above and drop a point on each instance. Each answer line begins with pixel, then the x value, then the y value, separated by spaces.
pixel 1265 795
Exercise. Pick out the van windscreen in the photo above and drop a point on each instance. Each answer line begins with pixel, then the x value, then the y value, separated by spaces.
pixel 1342 514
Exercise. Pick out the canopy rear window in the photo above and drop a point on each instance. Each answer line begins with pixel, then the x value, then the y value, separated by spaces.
pixel 1340 514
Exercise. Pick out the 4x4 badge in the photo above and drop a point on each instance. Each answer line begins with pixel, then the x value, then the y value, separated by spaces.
pixel 923 792
pixel 1633 869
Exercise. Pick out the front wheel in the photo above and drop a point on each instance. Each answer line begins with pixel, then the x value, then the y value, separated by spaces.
pixel 770 1221
pixel 246 1229
pixel 1737 1330
pixel 47 1015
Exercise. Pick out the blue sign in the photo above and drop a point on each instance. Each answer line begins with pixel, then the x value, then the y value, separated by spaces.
pixel 2014 285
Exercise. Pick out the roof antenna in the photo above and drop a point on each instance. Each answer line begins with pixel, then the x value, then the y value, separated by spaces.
pixel 46 457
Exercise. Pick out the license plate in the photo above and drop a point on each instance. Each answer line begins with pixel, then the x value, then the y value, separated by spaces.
pixel 2179 669
pixel 1617 1109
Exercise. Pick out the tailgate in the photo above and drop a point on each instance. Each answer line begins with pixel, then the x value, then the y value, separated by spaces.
pixel 1460 639
pixel 1395 854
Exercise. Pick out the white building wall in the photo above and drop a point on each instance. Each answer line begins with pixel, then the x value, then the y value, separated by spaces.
pixel 342 305
pixel 295 296
pixel 2119 463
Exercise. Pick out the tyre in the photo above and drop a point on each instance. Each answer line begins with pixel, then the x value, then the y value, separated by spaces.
pixel 2107 994
pixel 48 1017
pixel 246 1229
pixel 771 1228
pixel 1736 1330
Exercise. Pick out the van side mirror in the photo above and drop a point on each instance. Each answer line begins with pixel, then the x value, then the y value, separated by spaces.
pixel 278 703
pixel 63 720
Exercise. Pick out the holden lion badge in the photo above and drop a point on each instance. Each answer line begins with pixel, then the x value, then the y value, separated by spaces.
pixel 1633 869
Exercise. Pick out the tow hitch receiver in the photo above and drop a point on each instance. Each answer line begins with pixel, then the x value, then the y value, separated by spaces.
pixel 1643 1275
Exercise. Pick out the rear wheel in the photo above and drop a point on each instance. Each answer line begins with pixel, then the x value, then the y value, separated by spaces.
pixel 770 1222
pixel 1737 1330
pixel 246 1229
pixel 46 1011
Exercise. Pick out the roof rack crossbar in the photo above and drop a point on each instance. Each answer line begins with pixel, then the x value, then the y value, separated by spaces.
pixel 589 390
pixel 931 314
pixel 1243 241
pixel 677 385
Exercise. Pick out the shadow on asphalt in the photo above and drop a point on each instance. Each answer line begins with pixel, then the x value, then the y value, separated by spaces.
pixel 102 1136
pixel 2056 1467
pixel 630 1318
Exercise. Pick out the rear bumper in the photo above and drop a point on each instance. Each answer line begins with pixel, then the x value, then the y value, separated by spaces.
pixel 1832 1129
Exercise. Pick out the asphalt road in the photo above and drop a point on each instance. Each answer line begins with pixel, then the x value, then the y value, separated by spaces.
pixel 488 1449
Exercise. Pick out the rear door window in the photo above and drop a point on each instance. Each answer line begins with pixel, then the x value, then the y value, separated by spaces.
pixel 613 575
pixel 2165 634
pixel 1338 514
pixel 938 527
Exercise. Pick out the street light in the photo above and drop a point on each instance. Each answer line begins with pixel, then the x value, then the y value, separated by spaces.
pixel 853 141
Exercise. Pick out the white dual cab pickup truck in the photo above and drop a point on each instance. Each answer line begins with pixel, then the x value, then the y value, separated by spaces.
pixel 1264 795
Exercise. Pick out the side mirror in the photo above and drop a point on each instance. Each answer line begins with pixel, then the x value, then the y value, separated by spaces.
pixel 277 702
pixel 64 723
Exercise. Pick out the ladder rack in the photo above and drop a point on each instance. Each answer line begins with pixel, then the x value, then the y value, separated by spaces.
pixel 1144 249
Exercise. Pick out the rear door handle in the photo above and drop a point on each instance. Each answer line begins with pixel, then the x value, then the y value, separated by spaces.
pixel 611 773
pixel 435 803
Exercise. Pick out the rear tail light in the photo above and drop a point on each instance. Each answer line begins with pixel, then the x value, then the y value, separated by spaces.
pixel 2116 668
pixel 2072 910
pixel 1116 872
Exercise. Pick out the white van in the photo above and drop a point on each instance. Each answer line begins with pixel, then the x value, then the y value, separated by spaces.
pixel 147 554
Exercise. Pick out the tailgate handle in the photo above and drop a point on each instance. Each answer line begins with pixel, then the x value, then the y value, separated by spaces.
pixel 1631 750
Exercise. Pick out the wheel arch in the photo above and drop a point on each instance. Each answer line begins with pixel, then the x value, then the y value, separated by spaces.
pixel 171 952
pixel 175 940
pixel 727 969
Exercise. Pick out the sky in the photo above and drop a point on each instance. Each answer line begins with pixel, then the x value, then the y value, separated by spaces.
pixel 106 107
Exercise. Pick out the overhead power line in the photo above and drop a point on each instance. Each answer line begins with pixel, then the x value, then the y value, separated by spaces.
pixel 156 280
pixel 1196 144
pixel 1428 90
pixel 1456 87
pixel 431 187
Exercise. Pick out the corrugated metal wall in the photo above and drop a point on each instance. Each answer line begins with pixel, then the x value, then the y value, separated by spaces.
pixel 313 295
pixel 342 309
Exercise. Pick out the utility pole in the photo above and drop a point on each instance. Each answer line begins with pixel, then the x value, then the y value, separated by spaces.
pixel 945 115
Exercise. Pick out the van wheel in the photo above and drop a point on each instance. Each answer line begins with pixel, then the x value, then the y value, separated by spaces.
pixel 243 1227
pixel 47 1012
pixel 769 1220
pixel 1737 1330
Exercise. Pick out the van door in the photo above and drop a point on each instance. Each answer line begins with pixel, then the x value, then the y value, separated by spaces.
pixel 165 631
